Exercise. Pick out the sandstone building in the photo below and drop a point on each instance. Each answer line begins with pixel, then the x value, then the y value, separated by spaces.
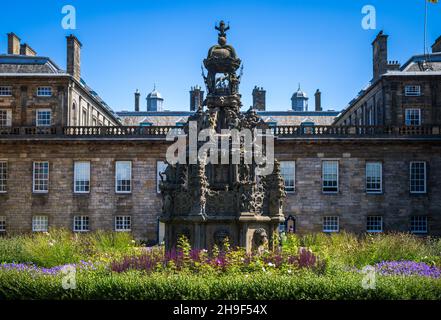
pixel 67 160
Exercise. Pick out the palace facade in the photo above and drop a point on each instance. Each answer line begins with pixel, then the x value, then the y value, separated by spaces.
pixel 67 160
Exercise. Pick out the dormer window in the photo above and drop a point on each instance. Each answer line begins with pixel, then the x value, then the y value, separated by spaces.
pixel 412 91
pixel 44 91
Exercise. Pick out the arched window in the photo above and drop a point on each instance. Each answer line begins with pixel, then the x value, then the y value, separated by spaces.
pixel 290 224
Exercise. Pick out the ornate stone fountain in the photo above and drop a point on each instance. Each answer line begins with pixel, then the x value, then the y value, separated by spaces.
pixel 209 202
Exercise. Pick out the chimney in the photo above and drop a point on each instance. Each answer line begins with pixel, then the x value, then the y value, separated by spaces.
pixel 26 50
pixel 380 62
pixel 137 95
pixel 436 47
pixel 259 98
pixel 74 57
pixel 196 98
pixel 318 101
pixel 13 43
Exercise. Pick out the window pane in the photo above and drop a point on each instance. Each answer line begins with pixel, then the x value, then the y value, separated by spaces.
pixel 123 176
pixel 417 177
pixel 418 224
pixel 287 169
pixel 373 177
pixel 5 118
pixel 5 91
pixel 412 91
pixel 81 223
pixel 44 117
pixel 82 176
pixel 413 117
pixel 123 223
pixel 330 176
pixel 374 224
pixel 44 91
pixel 39 223
pixel 330 224
pixel 41 177
pixel 3 176
pixel 2 224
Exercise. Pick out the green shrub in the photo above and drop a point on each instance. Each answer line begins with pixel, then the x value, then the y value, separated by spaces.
pixel 60 246
pixel 135 285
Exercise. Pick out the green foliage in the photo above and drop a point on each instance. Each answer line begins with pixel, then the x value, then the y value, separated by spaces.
pixel 229 274
pixel 135 285
pixel 59 246
pixel 344 249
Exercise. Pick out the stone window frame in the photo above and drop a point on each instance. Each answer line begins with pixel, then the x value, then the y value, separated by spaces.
pixel 160 164
pixel 121 185
pixel 337 180
pixel 5 118
pixel 123 223
pixel 82 177
pixel 40 179
pixel 331 224
pixel 419 224
pixel 410 116
pixel 3 176
pixel 44 91
pixel 81 224
pixel 5 91
pixel 43 122
pixel 374 224
pixel 413 180
pixel 412 90
pixel 291 187
pixel 40 223
pixel 2 223
pixel 372 190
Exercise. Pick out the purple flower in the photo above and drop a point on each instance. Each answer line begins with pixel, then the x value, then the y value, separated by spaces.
pixel 407 268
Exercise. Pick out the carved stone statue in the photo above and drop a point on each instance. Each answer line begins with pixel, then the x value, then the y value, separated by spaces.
pixel 212 201
pixel 260 239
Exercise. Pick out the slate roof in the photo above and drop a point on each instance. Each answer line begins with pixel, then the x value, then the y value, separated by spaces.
pixel 28 64
pixel 21 65
pixel 171 118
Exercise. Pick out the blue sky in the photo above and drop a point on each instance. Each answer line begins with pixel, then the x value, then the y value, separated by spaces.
pixel 134 44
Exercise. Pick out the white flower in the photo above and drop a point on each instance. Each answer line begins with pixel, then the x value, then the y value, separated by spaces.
pixel 270 264
pixel 289 271
pixel 247 275
pixel 263 269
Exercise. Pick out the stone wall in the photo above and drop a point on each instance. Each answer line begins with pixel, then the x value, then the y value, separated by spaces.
pixel 307 204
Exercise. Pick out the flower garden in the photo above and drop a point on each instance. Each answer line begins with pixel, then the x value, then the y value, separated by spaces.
pixel 318 266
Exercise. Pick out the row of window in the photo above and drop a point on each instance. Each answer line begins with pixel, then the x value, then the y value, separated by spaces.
pixel 80 223
pixel 418 224
pixel 40 180
pixel 43 117
pixel 6 91
pixel 373 180
pixel 123 176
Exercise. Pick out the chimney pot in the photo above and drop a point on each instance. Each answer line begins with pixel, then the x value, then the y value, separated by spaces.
pixel 436 47
pixel 259 98
pixel 13 43
pixel 380 63
pixel 137 96
pixel 318 101
pixel 74 57
pixel 26 50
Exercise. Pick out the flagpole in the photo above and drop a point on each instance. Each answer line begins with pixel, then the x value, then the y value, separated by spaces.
pixel 425 28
